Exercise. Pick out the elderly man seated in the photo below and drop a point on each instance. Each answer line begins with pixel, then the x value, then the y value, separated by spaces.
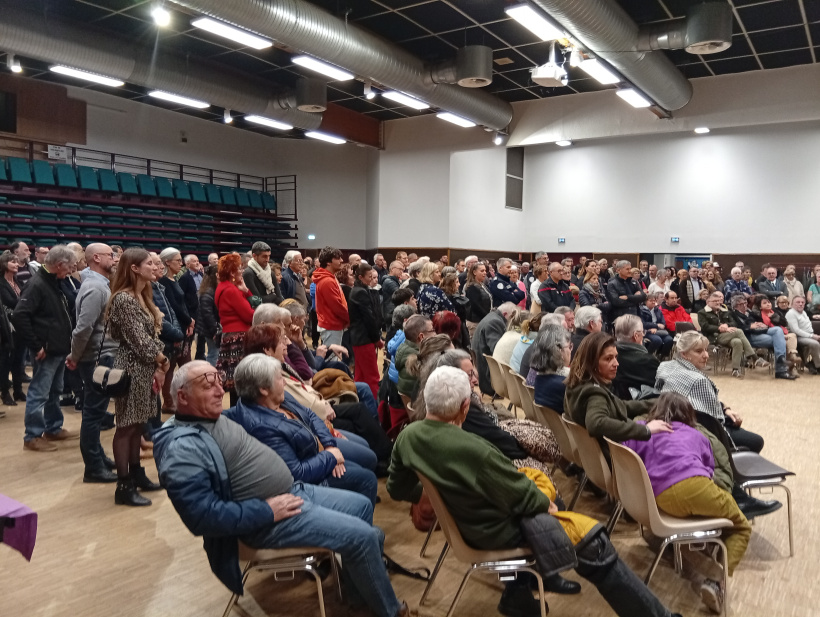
pixel 496 507
pixel 227 486
pixel 807 340
pixel 636 366
pixel 761 335
pixel 736 284
pixel 718 324
pixel 674 314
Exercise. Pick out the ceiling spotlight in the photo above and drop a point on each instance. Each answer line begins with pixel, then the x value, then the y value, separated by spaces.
pixel 563 143
pixel 446 115
pixel 702 130
pixel 229 32
pixel 332 139
pixel 14 64
pixel 274 124
pixel 324 68
pixel 227 117
pixel 176 98
pixel 535 22
pixel 408 101
pixel 633 97
pixel 368 91
pixel 500 138
pixel 161 16
pixel 94 77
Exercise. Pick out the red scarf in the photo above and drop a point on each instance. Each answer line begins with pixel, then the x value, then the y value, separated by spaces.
pixel 765 315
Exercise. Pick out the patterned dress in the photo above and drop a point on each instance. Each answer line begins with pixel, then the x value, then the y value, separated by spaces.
pixel 139 343
pixel 431 300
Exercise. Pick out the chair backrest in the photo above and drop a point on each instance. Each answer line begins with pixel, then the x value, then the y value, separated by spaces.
pixel 228 195
pixel 527 394
pixel 127 183
pixel 496 378
pixel 3 175
pixel 19 170
pixel 242 198
pixel 43 172
pixel 66 176
pixel 592 457
pixel 212 192
pixel 255 199
pixel 634 488
pixel 146 185
pixel 552 420
pixel 512 388
pixel 269 201
pixel 164 188
pixel 88 178
pixel 694 317
pixel 181 189
pixel 197 191
pixel 108 181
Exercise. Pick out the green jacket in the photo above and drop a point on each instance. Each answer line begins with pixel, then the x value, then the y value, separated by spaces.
pixel 407 383
pixel 604 414
pixel 710 321
pixel 485 494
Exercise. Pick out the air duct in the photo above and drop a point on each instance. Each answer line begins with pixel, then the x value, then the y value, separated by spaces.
pixel 301 25
pixel 706 29
pixel 471 68
pixel 604 28
pixel 32 35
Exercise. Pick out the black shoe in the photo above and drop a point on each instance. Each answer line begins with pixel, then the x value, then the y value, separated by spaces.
pixel 141 480
pixel 784 375
pixel 7 399
pixel 25 378
pixel 20 396
pixel 811 369
pixel 68 401
pixel 752 507
pixel 558 584
pixel 518 601
pixel 99 476
pixel 108 463
pixel 127 495
pixel 107 422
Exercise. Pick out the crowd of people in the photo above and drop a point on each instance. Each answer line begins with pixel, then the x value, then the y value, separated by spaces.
pixel 339 371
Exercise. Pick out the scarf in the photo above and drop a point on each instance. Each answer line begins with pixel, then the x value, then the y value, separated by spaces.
pixel 263 274
pixel 596 293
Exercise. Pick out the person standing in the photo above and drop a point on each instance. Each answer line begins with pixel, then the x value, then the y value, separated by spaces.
pixel 625 296
pixel 189 283
pixel 172 263
pixel 366 327
pixel 207 324
pixel 501 289
pixel 235 315
pixel 259 277
pixel 21 251
pixel 43 321
pixel 293 286
pixel 13 351
pixel 331 307
pixel 390 284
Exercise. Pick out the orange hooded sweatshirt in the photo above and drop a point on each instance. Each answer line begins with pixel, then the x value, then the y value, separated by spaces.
pixel 331 306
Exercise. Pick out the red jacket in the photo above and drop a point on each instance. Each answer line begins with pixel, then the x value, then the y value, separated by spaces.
pixel 671 317
pixel 235 312
pixel 331 306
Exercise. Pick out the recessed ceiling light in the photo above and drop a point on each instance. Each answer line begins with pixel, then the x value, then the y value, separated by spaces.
pixel 324 68
pixel 332 139
pixel 79 74
pixel 274 124
pixel 534 21
pixel 161 16
pixel 408 101
pixel 176 98
pixel 563 143
pixel 14 64
pixel 229 32
pixel 633 97
pixel 702 130
pixel 595 69
pixel 446 115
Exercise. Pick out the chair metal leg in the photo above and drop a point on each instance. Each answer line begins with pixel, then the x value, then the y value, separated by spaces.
pixel 725 553
pixel 542 598
pixel 613 519
pixel 678 558
pixel 789 513
pixel 435 573
pixel 581 484
pixel 655 563
pixel 319 589
pixel 427 539
pixel 334 565
pixel 460 591
pixel 235 597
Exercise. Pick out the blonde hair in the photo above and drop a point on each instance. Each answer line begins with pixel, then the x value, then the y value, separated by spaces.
pixel 426 274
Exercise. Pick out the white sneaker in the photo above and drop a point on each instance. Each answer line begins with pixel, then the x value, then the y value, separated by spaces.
pixel 712 595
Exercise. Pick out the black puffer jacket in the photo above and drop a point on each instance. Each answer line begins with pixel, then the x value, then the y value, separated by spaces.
pixel 41 316
pixel 208 317
pixel 364 307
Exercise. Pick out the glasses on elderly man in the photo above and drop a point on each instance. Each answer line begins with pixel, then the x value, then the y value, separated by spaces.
pixel 211 378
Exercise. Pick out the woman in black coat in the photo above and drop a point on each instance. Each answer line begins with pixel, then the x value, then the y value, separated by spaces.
pixel 12 350
pixel 364 308
pixel 481 301
pixel 171 260
pixel 207 323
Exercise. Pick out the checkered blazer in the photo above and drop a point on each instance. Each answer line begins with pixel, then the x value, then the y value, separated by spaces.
pixel 683 377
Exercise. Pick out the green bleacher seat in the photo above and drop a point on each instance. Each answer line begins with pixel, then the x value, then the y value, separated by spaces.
pixel 92 218
pixel 242 198
pixel 48 241
pixel 197 191
pixel 22 202
pixel 70 230
pixel 188 215
pixel 255 197
pixel 152 223
pixel 43 173
pixel 153 212
pixel 48 229
pixel 146 185
pixel 19 170
pixel 3 214
pixel 168 235
pixel 66 176
pixel 127 183
pixel 114 209
pixel 212 193
pixel 70 218
pixel 3 175
pixel 108 181
pixel 172 225
pixel 244 221
pixel 93 231
pixel 130 221
pixel 93 208
pixel 269 201
pixel 4 226
pixel 24 216
pixel 46 203
pixel 206 217
pixel 191 238
pixel 228 195
pixel 115 220
pixel 164 188
pixel 181 190
pixel 112 231
pixel 21 227
pixel 3 199
pixel 69 205
pixel 88 178
pixel 47 216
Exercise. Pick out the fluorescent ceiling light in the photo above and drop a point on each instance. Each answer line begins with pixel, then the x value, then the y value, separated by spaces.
pixel 322 67
pixel 533 21
pixel 563 143
pixel 161 16
pixel 229 32
pixel 14 64
pixel 175 98
pixel 701 130
pixel 633 97
pixel 409 101
pixel 595 69
pixel 97 79
pixel 446 115
pixel 274 124
pixel 325 137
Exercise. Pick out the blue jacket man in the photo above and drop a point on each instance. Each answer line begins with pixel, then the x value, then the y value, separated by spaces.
pixel 501 289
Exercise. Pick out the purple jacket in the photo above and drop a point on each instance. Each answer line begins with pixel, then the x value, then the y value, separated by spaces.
pixel 672 457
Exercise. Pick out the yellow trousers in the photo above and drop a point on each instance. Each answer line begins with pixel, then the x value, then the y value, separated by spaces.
pixel 700 496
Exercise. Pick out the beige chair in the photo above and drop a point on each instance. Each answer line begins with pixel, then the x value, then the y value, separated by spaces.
pixel 286 561
pixel 510 378
pixel 496 377
pixel 595 465
pixel 505 562
pixel 638 499
pixel 527 400
pixel 550 418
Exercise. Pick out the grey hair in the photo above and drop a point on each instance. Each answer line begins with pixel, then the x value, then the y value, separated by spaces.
pixel 500 263
pixel 401 313
pixel 626 326
pixel 470 260
pixel 255 372
pixel 453 357
pixel 517 317
pixel 295 309
pixel 562 310
pixel 259 247
pixel 659 296
pixel 60 254
pixel 586 315
pixel 168 254
pixel 414 326
pixel 289 257
pixel 739 271
pixel 180 380
pixel 188 258
pixel 551 319
pixel 689 340
pixel 546 351
pixel 269 313
pixel 445 392
pixel 715 294
pixel 622 263
pixel 414 268
pixel 540 254
pixel 737 298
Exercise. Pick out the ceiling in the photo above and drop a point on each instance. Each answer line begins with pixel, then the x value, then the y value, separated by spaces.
pixel 767 34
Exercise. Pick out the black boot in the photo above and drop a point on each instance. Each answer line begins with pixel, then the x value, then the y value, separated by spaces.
pixel 141 480
pixel 781 369
pixel 7 399
pixel 127 495
pixel 19 395
pixel 108 463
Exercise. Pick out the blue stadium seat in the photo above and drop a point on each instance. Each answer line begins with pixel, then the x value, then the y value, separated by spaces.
pixel 228 195
pixel 66 177
pixel 146 185
pixel 88 178
pixel 19 171
pixel 113 209
pixel 255 198
pixel 3 175
pixel 212 192
pixel 43 173
pixel 46 203
pixel 92 208
pixel 197 191
pixel 164 188
pixel 108 181
pixel 127 183
pixel 69 205
pixel 269 201
pixel 181 190
pixel 242 198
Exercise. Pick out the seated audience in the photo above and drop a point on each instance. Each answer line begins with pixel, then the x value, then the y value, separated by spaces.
pixel 569 317
pixel 711 277
pixel 506 344
pixel 719 326
pixel 771 285
pixel 486 336
pixel 550 360
pixel 431 299
pixel 807 340
pixel 588 319
pixel 623 292
pixel 737 284
pixel 475 288
pixel 674 314
pixel 555 291
pixel 813 294
pixel 447 322
pixel 505 508
pixel 654 325
pixel 529 330
pixel 681 467
pixel 793 285
pixel 761 335
pixel 764 312
pixel 227 486
pixel 636 365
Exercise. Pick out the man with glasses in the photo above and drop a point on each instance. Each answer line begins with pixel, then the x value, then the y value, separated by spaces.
pixel 39 257
pixel 390 284
pixel 761 335
pixel 227 487
pixel 293 285
pixel 636 366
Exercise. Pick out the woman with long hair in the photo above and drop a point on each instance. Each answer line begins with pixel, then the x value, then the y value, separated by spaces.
pixel 506 344
pixel 235 315
pixel 594 294
pixel 475 289
pixel 13 350
pixel 461 306
pixel 135 322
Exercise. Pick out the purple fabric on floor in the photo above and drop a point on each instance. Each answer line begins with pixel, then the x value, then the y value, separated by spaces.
pixel 23 535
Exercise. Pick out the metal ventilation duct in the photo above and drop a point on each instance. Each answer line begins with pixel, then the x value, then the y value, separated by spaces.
pixel 706 29
pixel 471 68
pixel 312 30
pixel 605 29
pixel 32 35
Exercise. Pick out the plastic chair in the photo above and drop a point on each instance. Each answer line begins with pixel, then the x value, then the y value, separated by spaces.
pixel 285 561
pixel 553 421
pixel 3 175
pixel 496 377
pixel 128 185
pixel 146 185
pixel 595 465
pixel 242 198
pixel 504 562
pixel 181 190
pixel 43 173
pixel 228 195
pixel 269 202
pixel 88 178
pixel 19 170
pixel 212 192
pixel 513 394
pixel 527 394
pixel 638 500
pixel 66 177
pixel 164 188
pixel 108 181
pixel 197 191
pixel 255 199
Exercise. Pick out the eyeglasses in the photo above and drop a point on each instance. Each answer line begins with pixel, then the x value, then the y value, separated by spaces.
pixel 211 378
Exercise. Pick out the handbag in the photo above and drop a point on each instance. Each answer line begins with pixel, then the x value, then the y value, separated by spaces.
pixel 111 382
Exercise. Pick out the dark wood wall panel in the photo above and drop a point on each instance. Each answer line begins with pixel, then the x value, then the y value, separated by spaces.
pixel 45 112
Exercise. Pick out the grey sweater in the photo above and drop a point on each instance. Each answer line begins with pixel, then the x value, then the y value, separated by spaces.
pixel 90 311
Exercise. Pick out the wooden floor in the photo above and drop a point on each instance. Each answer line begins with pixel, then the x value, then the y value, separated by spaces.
pixel 95 559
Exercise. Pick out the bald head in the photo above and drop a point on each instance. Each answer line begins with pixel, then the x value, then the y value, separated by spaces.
pixel 100 258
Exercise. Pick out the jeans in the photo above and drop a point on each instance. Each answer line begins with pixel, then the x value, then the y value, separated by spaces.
pixel 366 397
pixel 357 479
pixel 659 341
pixel 213 349
pixel 95 406
pixel 773 338
pixel 341 521
pixel 43 414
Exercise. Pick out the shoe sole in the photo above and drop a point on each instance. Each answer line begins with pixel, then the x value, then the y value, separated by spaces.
pixel 711 599
pixel 763 512
pixel 88 480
